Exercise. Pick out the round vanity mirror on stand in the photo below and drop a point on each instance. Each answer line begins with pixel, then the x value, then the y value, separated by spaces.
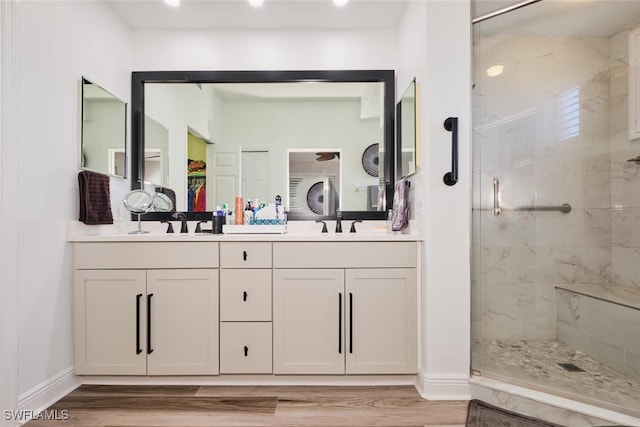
pixel 138 202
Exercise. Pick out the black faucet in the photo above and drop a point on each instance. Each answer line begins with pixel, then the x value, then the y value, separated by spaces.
pixel 353 225
pixel 169 228
pixel 324 225
pixel 183 219
pixel 338 221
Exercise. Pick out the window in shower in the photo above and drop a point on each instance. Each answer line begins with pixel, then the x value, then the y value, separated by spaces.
pixel 569 114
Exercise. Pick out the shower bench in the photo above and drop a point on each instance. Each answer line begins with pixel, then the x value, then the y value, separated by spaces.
pixel 601 320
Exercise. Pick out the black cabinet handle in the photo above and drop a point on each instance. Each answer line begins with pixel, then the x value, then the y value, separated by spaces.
pixel 138 298
pixel 149 349
pixel 244 255
pixel 246 351
pixel 244 296
pixel 451 125
pixel 340 322
pixel 350 322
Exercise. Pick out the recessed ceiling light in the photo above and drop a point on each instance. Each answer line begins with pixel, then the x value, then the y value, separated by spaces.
pixel 172 3
pixel 340 3
pixel 256 3
pixel 495 70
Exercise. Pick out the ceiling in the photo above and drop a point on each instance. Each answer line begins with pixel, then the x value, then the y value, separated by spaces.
pixel 551 17
pixel 273 14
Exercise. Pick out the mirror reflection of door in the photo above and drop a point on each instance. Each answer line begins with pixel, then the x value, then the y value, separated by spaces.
pixel 314 181
pixel 255 175
pixel 155 154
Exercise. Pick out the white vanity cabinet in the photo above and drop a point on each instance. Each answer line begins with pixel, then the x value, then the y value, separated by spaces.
pixel 345 307
pixel 146 308
pixel 245 308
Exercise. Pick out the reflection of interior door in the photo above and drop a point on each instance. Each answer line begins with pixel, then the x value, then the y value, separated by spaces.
pixel 255 176
pixel 222 178
pixel 155 157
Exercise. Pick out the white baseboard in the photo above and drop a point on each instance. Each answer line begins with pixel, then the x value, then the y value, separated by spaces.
pixel 46 393
pixel 443 386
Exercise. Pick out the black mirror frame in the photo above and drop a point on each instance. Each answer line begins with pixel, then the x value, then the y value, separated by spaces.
pixel 139 78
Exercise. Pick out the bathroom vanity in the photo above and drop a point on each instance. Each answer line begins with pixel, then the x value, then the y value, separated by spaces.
pixel 267 305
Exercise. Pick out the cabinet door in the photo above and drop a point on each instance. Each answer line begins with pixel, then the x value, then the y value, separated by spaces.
pixel 308 321
pixel 381 321
pixel 183 307
pixel 109 322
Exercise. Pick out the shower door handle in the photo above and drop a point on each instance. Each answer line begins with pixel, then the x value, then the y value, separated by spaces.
pixel 451 125
pixel 496 197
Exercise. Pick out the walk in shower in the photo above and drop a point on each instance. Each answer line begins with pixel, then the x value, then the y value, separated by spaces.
pixel 556 209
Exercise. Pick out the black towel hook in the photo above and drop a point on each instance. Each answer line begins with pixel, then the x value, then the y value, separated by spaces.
pixel 451 125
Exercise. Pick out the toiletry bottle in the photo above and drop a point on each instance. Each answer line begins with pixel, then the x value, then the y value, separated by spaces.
pixel 239 210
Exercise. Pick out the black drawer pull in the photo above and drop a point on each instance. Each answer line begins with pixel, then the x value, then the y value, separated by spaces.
pixel 246 351
pixel 244 255
pixel 244 296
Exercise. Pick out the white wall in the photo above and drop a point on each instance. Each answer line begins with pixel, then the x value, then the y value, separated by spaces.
pixel 446 224
pixel 264 50
pixel 58 43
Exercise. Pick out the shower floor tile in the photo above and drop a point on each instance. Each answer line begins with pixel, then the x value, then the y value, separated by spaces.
pixel 552 366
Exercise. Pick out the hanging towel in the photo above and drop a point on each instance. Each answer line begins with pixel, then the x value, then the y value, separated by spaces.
pixel 95 200
pixel 400 215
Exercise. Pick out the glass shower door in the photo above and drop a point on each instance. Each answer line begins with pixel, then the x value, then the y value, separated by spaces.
pixel 550 127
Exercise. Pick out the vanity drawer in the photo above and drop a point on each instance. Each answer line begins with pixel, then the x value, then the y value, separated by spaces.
pixel 245 254
pixel 245 295
pixel 140 255
pixel 345 254
pixel 245 348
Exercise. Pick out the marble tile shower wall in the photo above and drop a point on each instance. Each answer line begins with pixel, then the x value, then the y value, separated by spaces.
pixel 524 137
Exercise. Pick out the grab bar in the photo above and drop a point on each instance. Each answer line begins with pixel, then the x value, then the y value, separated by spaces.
pixel 451 125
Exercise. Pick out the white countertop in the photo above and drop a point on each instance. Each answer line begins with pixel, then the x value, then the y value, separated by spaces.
pixel 367 231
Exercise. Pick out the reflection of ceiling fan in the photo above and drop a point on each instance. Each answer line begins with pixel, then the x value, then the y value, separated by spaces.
pixel 330 155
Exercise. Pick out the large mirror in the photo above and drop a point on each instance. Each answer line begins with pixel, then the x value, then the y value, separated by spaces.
pixel 407 132
pixel 316 138
pixel 104 131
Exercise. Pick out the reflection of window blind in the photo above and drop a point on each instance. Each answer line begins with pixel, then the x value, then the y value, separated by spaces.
pixel 569 113
pixel 294 200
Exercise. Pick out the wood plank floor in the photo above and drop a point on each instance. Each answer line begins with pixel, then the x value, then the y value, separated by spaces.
pixel 240 406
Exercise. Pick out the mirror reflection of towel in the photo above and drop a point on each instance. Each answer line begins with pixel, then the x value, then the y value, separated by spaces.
pixel 400 215
pixel 95 199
